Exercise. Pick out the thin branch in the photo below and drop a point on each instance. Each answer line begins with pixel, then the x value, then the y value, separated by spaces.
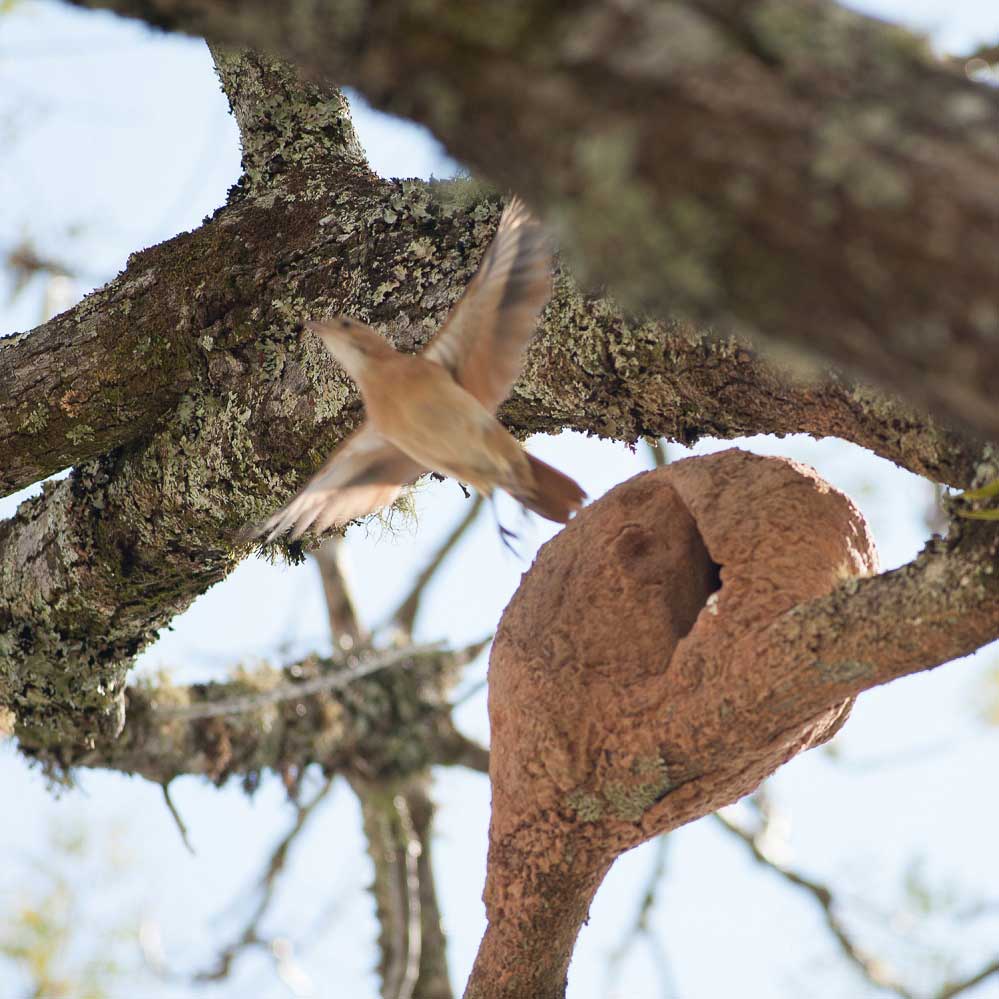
pixel 641 926
pixel 953 989
pixel 873 969
pixel 296 691
pixel 405 614
pixel 346 630
pixel 175 815
pixel 250 935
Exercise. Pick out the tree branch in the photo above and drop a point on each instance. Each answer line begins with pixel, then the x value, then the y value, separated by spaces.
pixel 843 202
pixel 288 128
pixel 397 824
pixel 250 935
pixel 641 927
pixel 398 819
pixel 388 724
pixel 872 968
pixel 405 615
pixel 942 606
pixel 90 570
pixel 105 373
pixel 344 676
pixel 345 624
pixel 105 558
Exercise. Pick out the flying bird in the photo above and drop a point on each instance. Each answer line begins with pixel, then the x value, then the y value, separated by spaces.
pixel 435 411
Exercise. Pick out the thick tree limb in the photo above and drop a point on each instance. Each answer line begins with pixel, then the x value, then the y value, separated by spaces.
pixel 105 373
pixel 779 167
pixel 89 380
pixel 90 570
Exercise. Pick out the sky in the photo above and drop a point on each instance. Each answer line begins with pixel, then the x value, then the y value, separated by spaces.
pixel 908 798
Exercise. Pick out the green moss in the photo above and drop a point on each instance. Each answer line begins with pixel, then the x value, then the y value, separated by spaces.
pixel 588 807
pixel 77 435
pixel 36 421
pixel 844 671
pixel 627 799
pixel 460 194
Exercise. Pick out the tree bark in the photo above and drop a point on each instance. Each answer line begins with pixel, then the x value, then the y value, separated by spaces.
pixel 781 168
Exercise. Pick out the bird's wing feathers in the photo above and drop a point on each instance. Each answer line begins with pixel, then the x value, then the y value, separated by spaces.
pixel 483 340
pixel 364 474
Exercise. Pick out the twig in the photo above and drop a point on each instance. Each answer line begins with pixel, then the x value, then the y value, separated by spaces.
pixel 249 936
pixel 825 898
pixel 405 615
pixel 641 926
pixel 181 827
pixel 956 988
pixel 872 969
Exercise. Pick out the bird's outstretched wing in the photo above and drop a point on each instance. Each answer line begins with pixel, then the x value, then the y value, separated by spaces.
pixel 483 340
pixel 364 474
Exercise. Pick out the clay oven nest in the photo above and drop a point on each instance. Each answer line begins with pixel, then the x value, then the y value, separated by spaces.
pixel 631 687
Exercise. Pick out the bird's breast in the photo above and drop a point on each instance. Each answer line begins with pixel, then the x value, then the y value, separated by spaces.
pixel 425 413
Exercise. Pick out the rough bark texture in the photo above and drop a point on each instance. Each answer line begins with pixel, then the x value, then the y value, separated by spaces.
pixel 397 825
pixel 779 167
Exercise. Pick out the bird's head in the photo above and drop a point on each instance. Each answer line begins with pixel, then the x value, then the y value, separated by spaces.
pixel 354 344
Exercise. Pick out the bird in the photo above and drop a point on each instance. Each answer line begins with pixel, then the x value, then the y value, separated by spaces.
pixel 435 410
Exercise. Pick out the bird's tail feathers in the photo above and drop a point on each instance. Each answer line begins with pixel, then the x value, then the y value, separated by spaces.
pixel 551 494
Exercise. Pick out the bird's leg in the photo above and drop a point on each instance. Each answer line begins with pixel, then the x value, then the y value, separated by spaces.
pixel 504 532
